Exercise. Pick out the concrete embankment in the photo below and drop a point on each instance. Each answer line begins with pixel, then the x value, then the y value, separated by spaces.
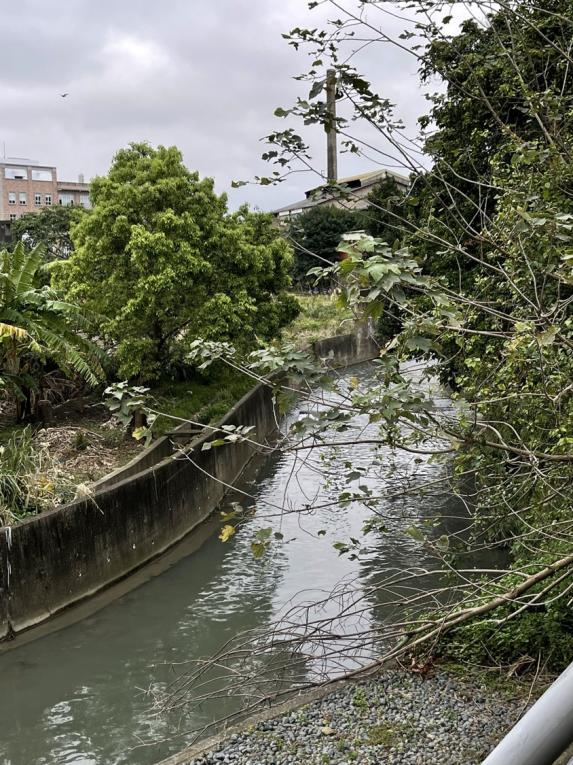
pixel 58 559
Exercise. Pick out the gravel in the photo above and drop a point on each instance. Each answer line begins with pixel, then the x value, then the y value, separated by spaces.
pixel 395 718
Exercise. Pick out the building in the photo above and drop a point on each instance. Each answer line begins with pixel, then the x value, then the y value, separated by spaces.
pixel 350 193
pixel 28 187
pixel 25 186
pixel 74 193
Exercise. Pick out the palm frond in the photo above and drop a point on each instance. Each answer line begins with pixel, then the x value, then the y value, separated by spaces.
pixel 12 331
pixel 25 275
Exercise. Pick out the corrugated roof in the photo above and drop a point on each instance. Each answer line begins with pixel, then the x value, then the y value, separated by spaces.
pixel 367 179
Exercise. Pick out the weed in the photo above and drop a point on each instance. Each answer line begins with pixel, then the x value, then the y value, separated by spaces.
pixel 321 316
pixel 386 734
pixel 359 700
pixel 81 441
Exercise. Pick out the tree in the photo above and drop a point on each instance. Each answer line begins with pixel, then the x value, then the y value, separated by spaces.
pixel 482 274
pixel 383 214
pixel 315 235
pixel 163 262
pixel 50 227
pixel 36 327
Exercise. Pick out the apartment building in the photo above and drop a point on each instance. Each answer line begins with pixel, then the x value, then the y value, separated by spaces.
pixel 27 187
pixel 74 193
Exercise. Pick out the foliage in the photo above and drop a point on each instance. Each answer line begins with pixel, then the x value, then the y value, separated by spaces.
pixel 321 315
pixel 37 327
pixel 481 274
pixel 161 259
pixel 383 216
pixel 17 463
pixel 129 404
pixel 315 235
pixel 29 482
pixel 49 227
pixel 203 399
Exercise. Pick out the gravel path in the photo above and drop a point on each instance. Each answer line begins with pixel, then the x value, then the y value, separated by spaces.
pixel 395 718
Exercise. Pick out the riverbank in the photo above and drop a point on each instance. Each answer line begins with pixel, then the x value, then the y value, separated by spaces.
pixel 450 717
pixel 84 443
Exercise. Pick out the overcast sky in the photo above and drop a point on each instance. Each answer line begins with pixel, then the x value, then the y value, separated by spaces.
pixel 205 75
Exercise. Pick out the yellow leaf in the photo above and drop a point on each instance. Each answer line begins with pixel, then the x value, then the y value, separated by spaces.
pixel 226 533
pixel 9 330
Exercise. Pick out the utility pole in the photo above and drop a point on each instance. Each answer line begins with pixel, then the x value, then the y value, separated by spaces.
pixel 330 127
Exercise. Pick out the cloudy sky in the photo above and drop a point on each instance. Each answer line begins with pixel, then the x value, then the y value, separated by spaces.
pixel 205 75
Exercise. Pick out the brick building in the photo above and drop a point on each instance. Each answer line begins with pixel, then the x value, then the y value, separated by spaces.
pixel 27 187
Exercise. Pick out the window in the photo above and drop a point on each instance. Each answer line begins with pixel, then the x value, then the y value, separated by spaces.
pixel 13 216
pixel 11 197
pixel 41 175
pixel 37 199
pixel 85 200
pixel 48 200
pixel 16 173
pixel 23 198
pixel 66 199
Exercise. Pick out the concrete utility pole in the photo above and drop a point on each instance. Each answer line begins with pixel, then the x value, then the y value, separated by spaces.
pixel 331 152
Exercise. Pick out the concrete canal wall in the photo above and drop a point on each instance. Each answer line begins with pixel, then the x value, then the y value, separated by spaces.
pixel 55 560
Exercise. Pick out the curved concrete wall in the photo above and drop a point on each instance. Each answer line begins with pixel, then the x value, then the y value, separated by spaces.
pixel 56 559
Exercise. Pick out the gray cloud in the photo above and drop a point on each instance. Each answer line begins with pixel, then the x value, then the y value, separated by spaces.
pixel 202 74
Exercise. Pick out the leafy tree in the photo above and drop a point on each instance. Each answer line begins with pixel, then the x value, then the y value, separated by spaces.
pixel 315 236
pixel 482 274
pixel 37 327
pixel 50 227
pixel 163 262
pixel 382 218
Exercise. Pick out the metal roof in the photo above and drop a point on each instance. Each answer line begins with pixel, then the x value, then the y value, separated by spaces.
pixel 319 194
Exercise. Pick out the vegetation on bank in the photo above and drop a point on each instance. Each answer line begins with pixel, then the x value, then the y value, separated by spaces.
pixel 479 278
pixel 121 291
pixel 321 316
pixel 44 467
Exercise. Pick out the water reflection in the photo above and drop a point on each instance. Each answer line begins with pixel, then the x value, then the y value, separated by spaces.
pixel 80 696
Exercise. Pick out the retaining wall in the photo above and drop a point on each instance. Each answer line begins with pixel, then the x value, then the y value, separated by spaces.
pixel 54 560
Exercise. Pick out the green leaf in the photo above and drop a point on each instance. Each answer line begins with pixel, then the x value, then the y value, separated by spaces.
pixel 416 534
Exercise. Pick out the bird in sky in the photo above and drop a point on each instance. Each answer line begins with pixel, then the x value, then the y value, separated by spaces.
pixel 64 95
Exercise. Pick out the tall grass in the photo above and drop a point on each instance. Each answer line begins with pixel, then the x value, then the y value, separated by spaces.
pixel 321 316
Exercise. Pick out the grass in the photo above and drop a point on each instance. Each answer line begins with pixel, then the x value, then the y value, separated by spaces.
pixel 386 734
pixel 206 399
pixel 203 400
pixel 320 317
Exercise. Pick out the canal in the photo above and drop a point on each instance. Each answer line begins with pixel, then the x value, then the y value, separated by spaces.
pixel 80 696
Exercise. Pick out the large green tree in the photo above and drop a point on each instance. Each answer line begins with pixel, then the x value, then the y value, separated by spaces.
pixel 163 262
pixel 50 227
pixel 315 235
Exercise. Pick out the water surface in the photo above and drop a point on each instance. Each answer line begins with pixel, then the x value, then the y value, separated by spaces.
pixel 79 696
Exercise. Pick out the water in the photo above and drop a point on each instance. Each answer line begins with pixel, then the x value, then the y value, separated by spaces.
pixel 78 696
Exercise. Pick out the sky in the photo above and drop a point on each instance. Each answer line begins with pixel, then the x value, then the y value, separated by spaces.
pixel 204 75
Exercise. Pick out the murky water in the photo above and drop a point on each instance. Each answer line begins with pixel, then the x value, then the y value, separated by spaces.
pixel 79 695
